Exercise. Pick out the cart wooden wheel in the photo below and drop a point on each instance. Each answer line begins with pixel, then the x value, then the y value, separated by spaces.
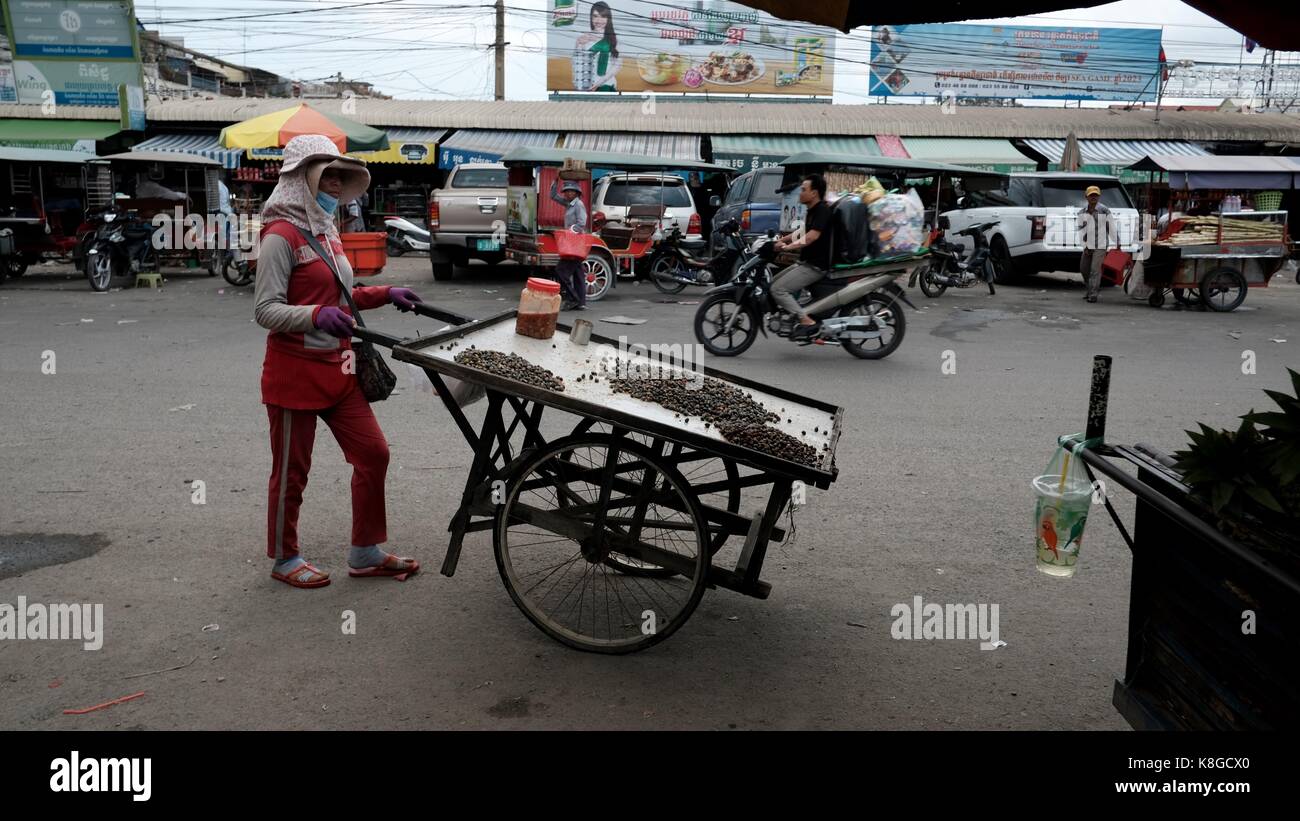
pixel 573 505
pixel 1223 289
pixel 696 473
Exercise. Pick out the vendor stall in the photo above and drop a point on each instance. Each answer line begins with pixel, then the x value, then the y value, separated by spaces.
pixel 1222 226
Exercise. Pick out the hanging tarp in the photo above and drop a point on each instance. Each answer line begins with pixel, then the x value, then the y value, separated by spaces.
pixel 747 152
pixel 475 145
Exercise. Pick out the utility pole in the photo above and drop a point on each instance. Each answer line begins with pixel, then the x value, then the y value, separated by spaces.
pixel 500 46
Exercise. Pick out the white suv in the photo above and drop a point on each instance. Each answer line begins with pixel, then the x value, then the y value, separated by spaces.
pixel 1037 216
pixel 615 193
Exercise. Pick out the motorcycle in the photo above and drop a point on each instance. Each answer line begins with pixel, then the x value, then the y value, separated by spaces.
pixel 404 236
pixel 948 267
pixel 861 312
pixel 121 244
pixel 674 266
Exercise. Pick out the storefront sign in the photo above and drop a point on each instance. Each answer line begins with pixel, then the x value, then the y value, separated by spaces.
pixel 81 51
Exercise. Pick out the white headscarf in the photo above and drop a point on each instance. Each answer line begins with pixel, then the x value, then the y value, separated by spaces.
pixel 294 197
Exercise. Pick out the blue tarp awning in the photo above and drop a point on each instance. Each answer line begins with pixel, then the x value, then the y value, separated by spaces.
pixel 204 145
pixel 471 145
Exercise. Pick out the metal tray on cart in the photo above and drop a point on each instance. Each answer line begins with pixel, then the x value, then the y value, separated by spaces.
pixel 810 421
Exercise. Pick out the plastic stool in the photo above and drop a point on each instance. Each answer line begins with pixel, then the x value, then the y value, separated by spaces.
pixel 153 280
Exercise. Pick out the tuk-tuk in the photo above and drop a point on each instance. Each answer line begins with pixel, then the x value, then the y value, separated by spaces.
pixel 935 182
pixel 42 201
pixel 174 192
pixel 857 304
pixel 532 218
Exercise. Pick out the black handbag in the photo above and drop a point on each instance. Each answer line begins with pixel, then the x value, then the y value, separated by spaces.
pixel 376 378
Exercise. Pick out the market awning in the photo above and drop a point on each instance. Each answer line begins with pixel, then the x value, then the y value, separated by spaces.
pixel 485 145
pixel 1115 156
pixel 989 154
pixel 1209 171
pixel 43 155
pixel 677 146
pixel 406 146
pixel 607 160
pixel 747 152
pixel 62 135
pixel 203 145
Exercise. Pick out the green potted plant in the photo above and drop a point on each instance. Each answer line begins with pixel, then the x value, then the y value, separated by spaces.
pixel 1249 479
pixel 1214 612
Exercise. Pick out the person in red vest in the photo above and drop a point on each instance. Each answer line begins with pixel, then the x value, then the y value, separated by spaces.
pixel 308 371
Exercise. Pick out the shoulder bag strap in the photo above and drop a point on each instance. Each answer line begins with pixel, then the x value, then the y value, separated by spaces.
pixel 330 261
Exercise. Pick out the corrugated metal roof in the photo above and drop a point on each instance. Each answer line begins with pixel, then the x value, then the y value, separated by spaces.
pixel 1115 152
pixel 677 146
pixel 415 135
pixel 204 145
pixel 974 152
pixel 1040 122
pixel 784 145
pixel 1208 162
pixel 43 155
pixel 602 159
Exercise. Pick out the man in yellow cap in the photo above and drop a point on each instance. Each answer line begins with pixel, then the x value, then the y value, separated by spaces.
pixel 1096 231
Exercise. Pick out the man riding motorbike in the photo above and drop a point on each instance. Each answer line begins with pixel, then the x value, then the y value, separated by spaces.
pixel 814 246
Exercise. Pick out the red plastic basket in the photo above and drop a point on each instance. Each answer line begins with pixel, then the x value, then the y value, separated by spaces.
pixel 571 245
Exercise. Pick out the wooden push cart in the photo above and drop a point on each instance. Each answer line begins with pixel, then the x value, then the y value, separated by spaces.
pixel 1212 261
pixel 605 535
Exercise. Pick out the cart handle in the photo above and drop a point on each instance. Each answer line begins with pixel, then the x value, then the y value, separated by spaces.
pixel 437 313
pixel 376 337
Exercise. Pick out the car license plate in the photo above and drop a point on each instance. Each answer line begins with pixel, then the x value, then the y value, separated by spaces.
pixel 487 245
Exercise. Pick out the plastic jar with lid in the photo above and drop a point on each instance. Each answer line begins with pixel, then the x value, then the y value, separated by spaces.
pixel 539 308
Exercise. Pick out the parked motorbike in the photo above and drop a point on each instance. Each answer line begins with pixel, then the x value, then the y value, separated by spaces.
pixel 675 266
pixel 404 235
pixel 121 244
pixel 948 266
pixel 860 312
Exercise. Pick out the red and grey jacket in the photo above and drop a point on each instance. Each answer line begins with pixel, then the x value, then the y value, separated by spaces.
pixel 305 368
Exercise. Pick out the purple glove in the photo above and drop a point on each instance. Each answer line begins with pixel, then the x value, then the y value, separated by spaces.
pixel 403 298
pixel 335 322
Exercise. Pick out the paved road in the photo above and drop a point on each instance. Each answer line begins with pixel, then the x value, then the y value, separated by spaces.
pixel 932 500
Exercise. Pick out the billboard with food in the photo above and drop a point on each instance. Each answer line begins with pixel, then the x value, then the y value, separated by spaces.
pixel 685 46
pixel 938 60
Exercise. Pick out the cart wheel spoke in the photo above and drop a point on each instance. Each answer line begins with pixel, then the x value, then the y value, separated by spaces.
pixel 564 546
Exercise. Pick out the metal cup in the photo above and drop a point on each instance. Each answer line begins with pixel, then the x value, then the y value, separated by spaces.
pixel 580 334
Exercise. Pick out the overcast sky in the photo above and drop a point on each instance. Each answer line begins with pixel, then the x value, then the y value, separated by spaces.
pixel 421 49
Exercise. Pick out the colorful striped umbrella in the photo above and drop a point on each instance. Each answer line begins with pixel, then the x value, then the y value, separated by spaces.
pixel 277 128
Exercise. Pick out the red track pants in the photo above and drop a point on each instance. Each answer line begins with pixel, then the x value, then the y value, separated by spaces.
pixel 292 434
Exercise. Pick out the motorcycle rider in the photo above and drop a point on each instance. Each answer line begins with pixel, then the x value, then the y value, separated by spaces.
pixel 814 246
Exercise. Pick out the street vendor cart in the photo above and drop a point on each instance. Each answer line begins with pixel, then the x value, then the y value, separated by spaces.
pixel 1207 249
pixel 533 220
pixel 42 200
pixel 610 513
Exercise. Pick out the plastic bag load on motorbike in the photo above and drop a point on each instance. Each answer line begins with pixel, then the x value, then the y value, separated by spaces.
pixel 898 224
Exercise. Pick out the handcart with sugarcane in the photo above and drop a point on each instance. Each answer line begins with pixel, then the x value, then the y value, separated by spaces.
pixel 1209 248
pixel 610 513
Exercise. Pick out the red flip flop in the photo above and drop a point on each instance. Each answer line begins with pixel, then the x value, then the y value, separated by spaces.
pixel 304 576
pixel 393 567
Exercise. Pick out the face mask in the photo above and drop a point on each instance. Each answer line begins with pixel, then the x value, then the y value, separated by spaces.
pixel 326 202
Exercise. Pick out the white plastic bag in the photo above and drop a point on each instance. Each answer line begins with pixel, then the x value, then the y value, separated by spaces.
pixel 464 393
